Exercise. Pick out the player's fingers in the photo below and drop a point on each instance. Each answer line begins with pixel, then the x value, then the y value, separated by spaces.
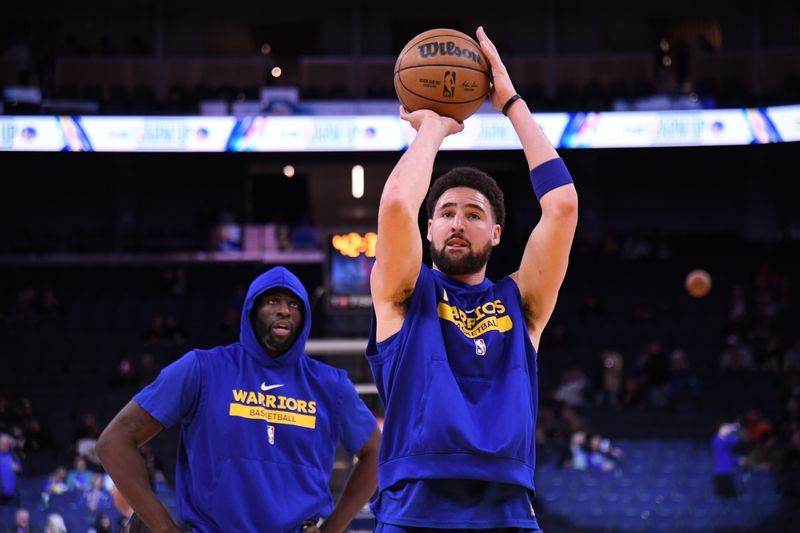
pixel 490 51
pixel 487 43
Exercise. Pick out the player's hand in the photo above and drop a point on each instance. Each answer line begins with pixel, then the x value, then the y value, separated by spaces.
pixel 309 526
pixel 501 89
pixel 447 126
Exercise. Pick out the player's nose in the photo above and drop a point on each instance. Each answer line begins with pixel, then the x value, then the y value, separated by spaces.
pixel 458 223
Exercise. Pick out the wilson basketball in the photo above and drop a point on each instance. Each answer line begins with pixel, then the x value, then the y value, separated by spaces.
pixel 443 70
pixel 698 283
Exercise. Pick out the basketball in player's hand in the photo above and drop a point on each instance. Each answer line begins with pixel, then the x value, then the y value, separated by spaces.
pixel 698 283
pixel 442 70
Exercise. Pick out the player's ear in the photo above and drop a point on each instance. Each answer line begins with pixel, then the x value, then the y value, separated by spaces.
pixel 430 224
pixel 496 231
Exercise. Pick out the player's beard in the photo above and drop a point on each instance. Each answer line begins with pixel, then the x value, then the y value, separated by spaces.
pixel 459 265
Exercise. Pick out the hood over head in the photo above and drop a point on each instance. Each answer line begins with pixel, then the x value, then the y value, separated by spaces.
pixel 275 277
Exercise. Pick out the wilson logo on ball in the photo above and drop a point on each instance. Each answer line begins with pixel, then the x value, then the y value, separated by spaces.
pixel 447 49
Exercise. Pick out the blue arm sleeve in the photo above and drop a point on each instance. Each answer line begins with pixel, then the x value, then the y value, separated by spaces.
pixel 357 422
pixel 174 394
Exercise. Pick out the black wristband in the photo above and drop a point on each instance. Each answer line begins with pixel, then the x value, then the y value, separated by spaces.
pixel 510 101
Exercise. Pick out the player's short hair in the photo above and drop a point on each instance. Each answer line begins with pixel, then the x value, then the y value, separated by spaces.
pixel 474 179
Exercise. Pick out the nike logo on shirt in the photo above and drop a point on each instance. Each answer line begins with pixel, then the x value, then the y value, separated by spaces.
pixel 266 387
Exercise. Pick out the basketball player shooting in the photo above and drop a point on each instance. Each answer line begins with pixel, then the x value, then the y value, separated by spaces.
pixel 453 353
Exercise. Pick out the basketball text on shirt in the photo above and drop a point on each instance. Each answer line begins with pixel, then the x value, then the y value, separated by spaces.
pixel 276 409
pixel 489 316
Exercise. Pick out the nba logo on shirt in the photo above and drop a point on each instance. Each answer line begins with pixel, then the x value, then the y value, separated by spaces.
pixel 480 347
pixel 271 434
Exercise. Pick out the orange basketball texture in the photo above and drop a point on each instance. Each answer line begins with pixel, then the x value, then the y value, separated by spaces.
pixel 443 70
pixel 698 283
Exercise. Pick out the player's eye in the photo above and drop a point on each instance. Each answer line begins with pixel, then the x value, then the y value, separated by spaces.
pixel 294 305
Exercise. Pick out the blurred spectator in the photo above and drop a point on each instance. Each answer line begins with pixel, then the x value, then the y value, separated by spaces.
pixel 156 331
pixel 55 524
pixel 736 356
pixel 80 478
pixel 772 354
pixel 175 331
pixel 102 524
pixel 572 387
pixel 756 427
pixel 737 315
pixel 10 466
pixel 37 437
pixel 631 392
pixel 22 523
pixel 124 375
pixel 546 429
pixel 97 497
pixel 88 428
pixel 767 455
pixel 602 454
pixel 725 461
pixel 610 372
pixel 758 339
pixel 569 420
pixel 766 305
pixel 683 384
pixel 85 438
pixel 579 459
pixel 56 483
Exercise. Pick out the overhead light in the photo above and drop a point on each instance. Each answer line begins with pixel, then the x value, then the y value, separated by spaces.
pixel 288 171
pixel 357 181
pixel 266 48
pixel 276 72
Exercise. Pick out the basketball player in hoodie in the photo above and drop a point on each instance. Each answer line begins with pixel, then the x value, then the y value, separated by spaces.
pixel 259 425
pixel 454 353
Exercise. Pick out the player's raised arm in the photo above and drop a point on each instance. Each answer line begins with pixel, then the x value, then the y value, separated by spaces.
pixel 398 252
pixel 544 261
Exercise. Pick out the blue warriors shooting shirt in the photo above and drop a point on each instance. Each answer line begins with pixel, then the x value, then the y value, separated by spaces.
pixel 257 434
pixel 459 383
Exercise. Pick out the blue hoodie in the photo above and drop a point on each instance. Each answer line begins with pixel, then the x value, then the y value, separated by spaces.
pixel 258 434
